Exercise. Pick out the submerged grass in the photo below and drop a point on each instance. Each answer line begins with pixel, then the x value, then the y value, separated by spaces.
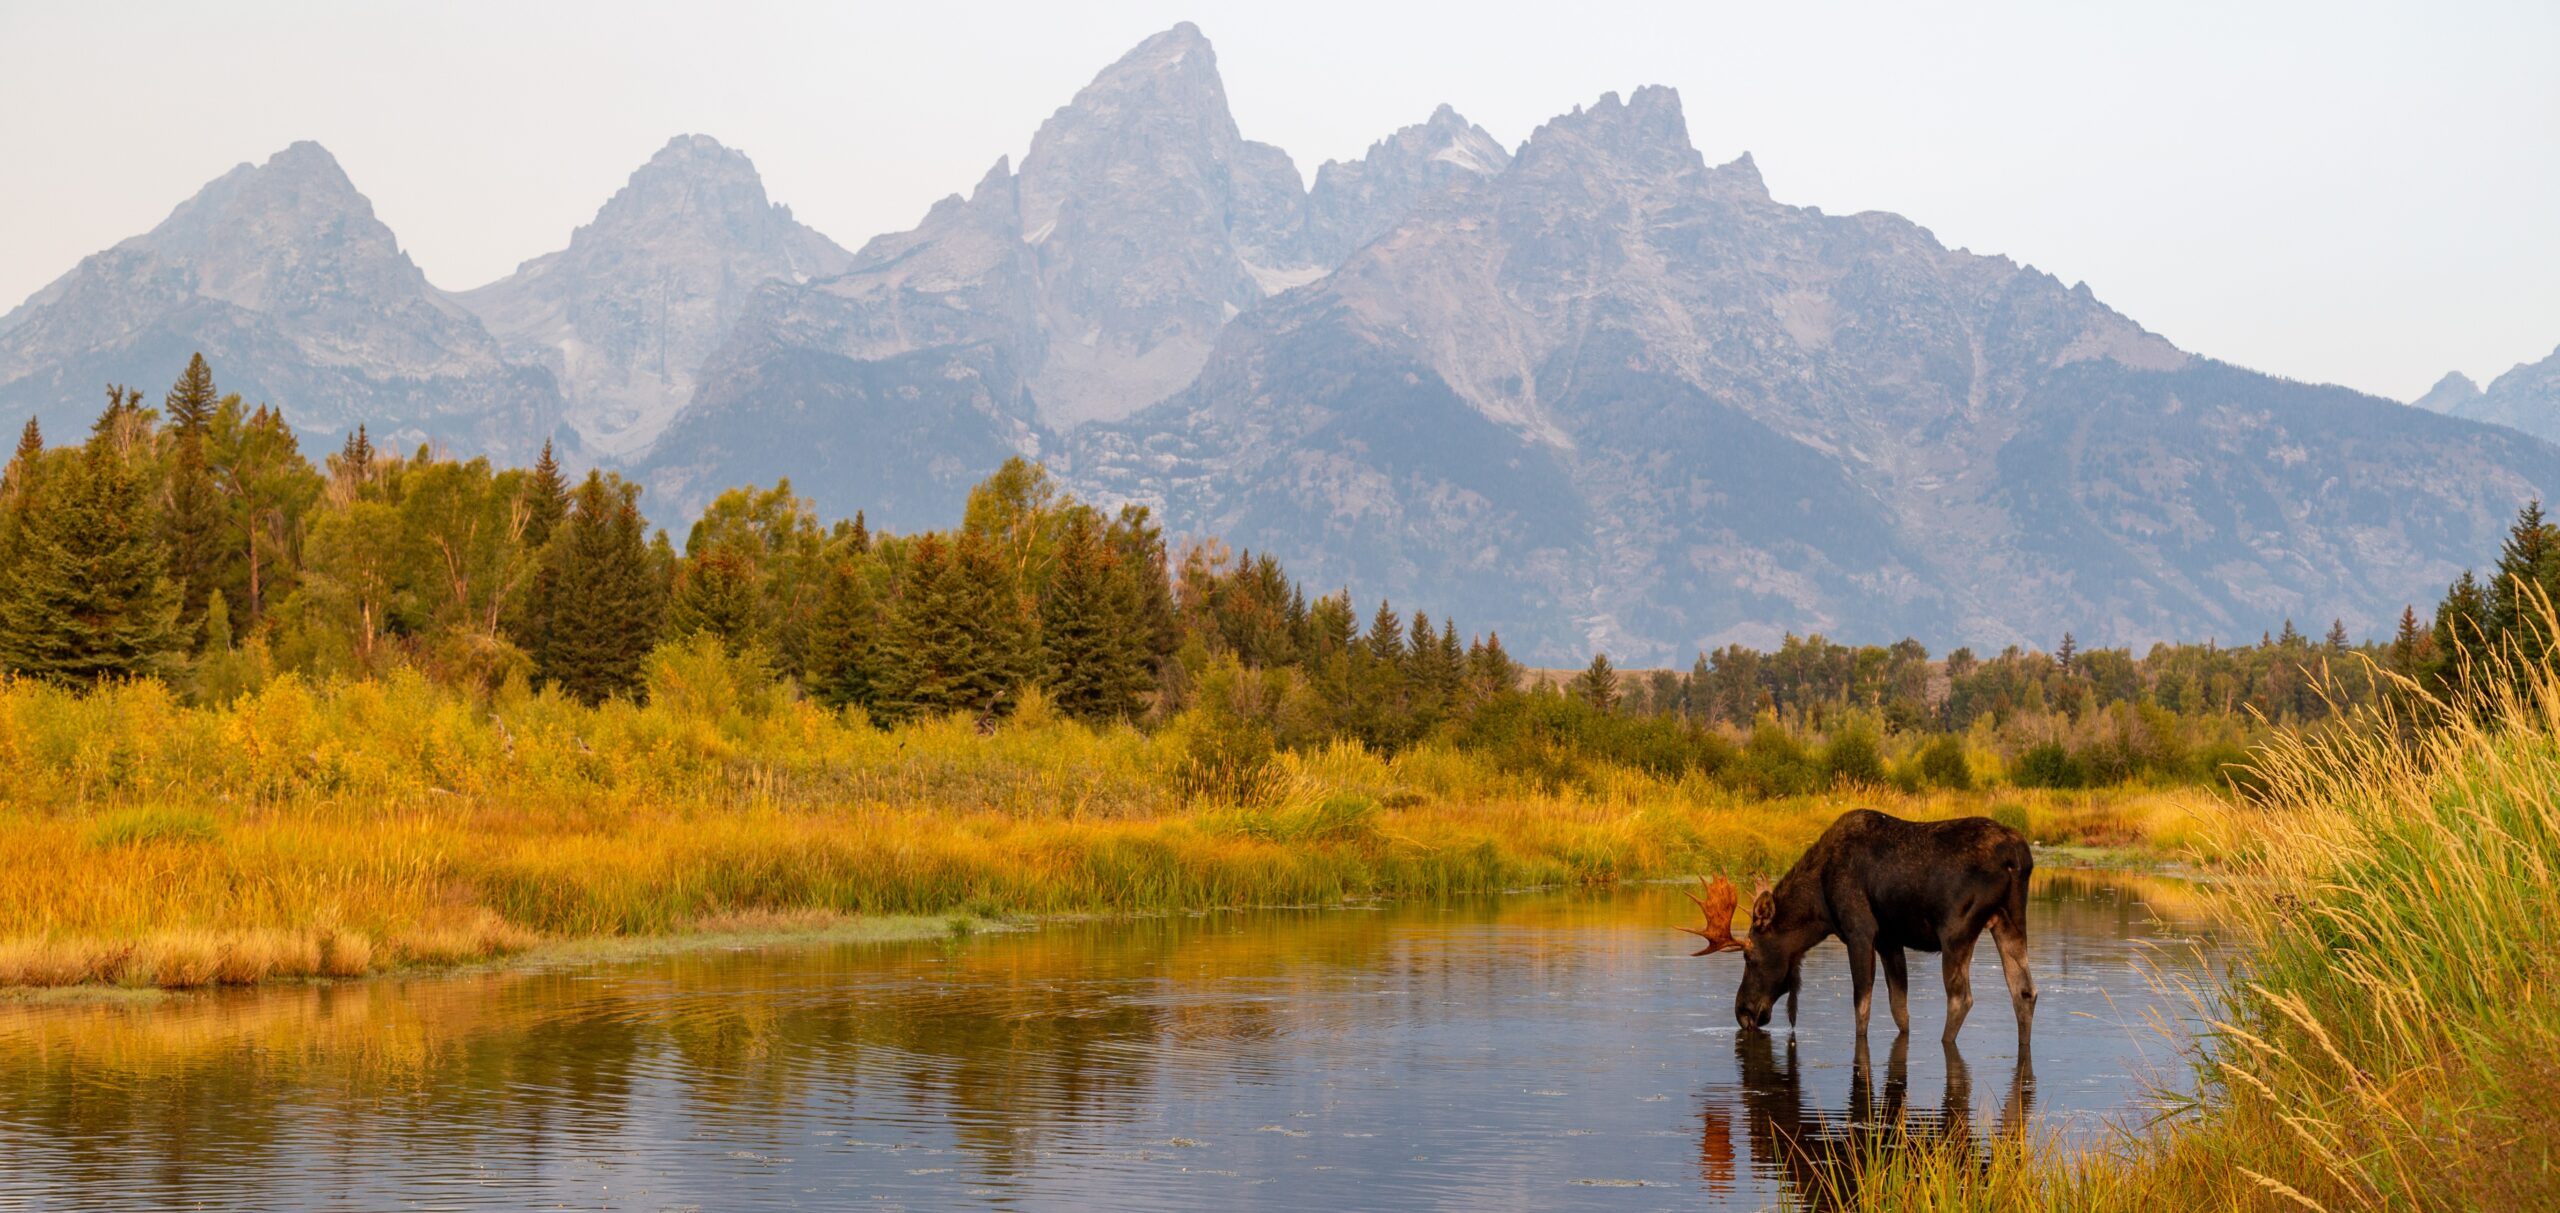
pixel 2394 1040
pixel 316 831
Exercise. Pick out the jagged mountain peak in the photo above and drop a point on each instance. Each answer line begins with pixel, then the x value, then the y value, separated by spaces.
pixel 1645 134
pixel 1354 201
pixel 627 313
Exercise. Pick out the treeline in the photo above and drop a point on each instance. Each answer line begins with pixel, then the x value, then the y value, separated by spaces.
pixel 194 542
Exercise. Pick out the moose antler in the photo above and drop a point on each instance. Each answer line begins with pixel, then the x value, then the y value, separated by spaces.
pixel 1717 905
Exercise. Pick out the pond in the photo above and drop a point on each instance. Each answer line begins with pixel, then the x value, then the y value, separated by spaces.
pixel 1547 1050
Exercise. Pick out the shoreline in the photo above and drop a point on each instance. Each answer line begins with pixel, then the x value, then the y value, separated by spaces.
pixel 819 928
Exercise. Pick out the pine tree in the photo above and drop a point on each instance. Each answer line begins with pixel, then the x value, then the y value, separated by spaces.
pixel 2527 579
pixel 1090 664
pixel 1490 671
pixel 1385 641
pixel 604 605
pixel 192 400
pixel 2461 635
pixel 193 517
pixel 1597 684
pixel 90 598
pixel 2068 654
pixel 546 500
pixel 2336 641
pixel 2406 643
pixel 30 447
pixel 719 592
pixel 956 636
pixel 861 539
pixel 844 648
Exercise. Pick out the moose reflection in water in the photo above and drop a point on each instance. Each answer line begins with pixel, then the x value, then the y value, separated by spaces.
pixel 1821 1151
pixel 1883 885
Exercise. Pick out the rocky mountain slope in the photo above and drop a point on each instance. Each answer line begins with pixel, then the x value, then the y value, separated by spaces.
pixel 2527 398
pixel 1083 287
pixel 280 274
pixel 626 315
pixel 1615 398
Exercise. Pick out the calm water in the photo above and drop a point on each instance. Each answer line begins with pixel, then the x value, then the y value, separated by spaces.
pixel 1535 1051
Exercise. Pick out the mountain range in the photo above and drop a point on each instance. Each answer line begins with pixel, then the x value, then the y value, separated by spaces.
pixel 1590 391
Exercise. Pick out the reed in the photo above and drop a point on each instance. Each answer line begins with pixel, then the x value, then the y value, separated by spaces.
pixel 337 829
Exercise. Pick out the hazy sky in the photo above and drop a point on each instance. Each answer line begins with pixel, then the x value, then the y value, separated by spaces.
pixel 2358 194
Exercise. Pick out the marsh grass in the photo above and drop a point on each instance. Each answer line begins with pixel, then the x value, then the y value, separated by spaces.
pixel 334 830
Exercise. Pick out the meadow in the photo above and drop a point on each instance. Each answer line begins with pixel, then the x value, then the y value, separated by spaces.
pixel 337 829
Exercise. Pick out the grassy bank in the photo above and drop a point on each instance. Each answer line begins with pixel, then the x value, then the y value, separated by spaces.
pixel 365 826
pixel 2394 1041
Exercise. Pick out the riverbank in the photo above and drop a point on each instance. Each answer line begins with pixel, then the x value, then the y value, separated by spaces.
pixel 387 826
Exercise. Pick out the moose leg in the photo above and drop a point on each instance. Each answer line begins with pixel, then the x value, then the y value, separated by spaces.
pixel 2011 937
pixel 1959 985
pixel 1862 976
pixel 1897 986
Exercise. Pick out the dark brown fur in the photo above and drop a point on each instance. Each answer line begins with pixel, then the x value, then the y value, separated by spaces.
pixel 1886 886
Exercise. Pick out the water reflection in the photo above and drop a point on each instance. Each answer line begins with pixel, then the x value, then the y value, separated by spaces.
pixel 1551 1050
pixel 1823 1149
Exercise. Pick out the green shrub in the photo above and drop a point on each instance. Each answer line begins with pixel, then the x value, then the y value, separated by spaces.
pixel 1942 764
pixel 1852 758
pixel 2048 765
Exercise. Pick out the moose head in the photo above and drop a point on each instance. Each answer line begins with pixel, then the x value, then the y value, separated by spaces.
pixel 1768 970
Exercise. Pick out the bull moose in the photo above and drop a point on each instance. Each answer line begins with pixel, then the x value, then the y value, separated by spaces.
pixel 1884 885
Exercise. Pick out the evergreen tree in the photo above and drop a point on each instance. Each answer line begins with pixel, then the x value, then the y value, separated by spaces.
pixel 604 604
pixel 956 636
pixel 1385 641
pixel 861 538
pixel 2068 655
pixel 192 400
pixel 90 598
pixel 844 651
pixel 1092 661
pixel 1491 671
pixel 1597 684
pixel 2336 642
pixel 2461 635
pixel 2527 579
pixel 2406 644
pixel 718 592
pixel 546 500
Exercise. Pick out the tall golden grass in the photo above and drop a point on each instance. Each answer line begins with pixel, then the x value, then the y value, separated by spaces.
pixel 2394 1039
pixel 331 830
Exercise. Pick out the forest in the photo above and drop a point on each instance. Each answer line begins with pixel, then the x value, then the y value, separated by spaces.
pixel 194 543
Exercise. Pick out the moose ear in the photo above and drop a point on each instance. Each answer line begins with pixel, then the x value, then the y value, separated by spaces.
pixel 1764 909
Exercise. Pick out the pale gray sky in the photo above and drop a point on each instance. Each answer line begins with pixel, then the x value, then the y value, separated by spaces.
pixel 2367 195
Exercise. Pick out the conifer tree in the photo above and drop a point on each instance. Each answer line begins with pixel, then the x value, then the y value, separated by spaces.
pixel 956 636
pixel 1490 671
pixel 2406 642
pixel 1090 663
pixel 2461 634
pixel 1597 684
pixel 193 518
pixel 2336 641
pixel 90 598
pixel 2068 653
pixel 192 400
pixel 861 538
pixel 718 592
pixel 844 649
pixel 603 607
pixel 2527 579
pixel 546 500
